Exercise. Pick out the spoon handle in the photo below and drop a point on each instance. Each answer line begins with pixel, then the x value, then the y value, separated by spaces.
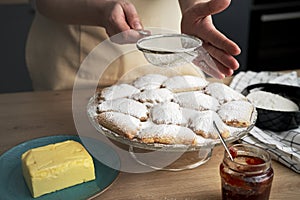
pixel 222 140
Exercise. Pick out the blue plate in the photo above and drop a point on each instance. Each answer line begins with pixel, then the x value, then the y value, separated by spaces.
pixel 13 185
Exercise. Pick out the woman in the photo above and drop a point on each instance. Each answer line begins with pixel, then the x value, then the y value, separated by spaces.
pixel 65 31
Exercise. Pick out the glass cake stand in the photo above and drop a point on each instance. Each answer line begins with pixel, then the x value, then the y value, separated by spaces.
pixel 157 156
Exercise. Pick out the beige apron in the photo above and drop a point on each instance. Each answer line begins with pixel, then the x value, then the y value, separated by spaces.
pixel 55 51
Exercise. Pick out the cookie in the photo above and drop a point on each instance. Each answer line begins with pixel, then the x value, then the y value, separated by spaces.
pixel 223 93
pixel 154 96
pixel 149 81
pixel 196 100
pixel 155 104
pixel 188 113
pixel 167 113
pixel 167 134
pixel 184 83
pixel 202 124
pixel 126 106
pixel 236 113
pixel 120 123
pixel 118 91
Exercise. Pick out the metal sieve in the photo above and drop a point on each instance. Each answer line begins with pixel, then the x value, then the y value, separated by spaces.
pixel 169 50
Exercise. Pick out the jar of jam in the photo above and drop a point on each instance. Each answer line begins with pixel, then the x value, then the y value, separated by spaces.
pixel 248 176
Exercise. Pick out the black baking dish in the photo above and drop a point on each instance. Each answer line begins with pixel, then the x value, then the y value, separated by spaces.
pixel 277 120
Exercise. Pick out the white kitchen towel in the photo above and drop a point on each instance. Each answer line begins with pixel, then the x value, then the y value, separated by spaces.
pixel 283 146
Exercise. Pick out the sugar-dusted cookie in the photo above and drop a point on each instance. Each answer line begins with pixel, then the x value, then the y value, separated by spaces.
pixel 188 113
pixel 196 100
pixel 153 107
pixel 149 81
pixel 236 113
pixel 154 95
pixel 200 140
pixel 126 106
pixel 202 124
pixel 167 113
pixel 118 91
pixel 223 93
pixel 167 134
pixel 120 123
pixel 185 83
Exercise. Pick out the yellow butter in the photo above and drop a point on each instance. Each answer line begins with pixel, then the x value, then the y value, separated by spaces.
pixel 56 166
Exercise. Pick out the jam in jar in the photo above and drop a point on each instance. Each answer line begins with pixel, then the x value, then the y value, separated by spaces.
pixel 249 176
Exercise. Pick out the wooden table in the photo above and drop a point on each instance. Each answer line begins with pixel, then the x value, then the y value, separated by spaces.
pixel 25 116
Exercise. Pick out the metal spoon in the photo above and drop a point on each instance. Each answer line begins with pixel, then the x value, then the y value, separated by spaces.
pixel 223 142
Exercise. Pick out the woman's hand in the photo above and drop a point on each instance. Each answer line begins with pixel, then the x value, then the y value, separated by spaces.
pixel 197 21
pixel 120 17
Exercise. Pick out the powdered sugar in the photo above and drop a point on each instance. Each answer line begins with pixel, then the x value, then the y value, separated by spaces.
pixel 167 113
pixel 197 100
pixel 270 101
pixel 149 81
pixel 202 124
pixel 126 106
pixel 169 134
pixel 154 95
pixel 184 83
pixel 180 110
pixel 223 92
pixel 118 91
pixel 236 113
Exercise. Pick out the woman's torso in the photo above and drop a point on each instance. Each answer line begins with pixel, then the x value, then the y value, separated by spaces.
pixel 55 51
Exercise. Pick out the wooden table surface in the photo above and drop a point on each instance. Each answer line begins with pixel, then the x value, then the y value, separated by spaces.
pixel 29 115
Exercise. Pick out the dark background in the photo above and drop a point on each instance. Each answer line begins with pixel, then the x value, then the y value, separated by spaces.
pixel 15 22
pixel 266 30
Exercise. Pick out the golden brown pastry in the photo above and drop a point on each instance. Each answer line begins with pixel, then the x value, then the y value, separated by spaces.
pixel 120 123
pixel 184 83
pixel 236 113
pixel 126 106
pixel 202 124
pixel 167 134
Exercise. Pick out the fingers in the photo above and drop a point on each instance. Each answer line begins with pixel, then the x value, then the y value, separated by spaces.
pixel 222 69
pixel 215 62
pixel 209 8
pixel 208 69
pixel 197 21
pixel 208 33
pixel 217 71
pixel 221 64
pixel 225 59
pixel 123 19
pixel 131 15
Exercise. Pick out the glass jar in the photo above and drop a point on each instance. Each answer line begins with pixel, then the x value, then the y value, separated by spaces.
pixel 249 176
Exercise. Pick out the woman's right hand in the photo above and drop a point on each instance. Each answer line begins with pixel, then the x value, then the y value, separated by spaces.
pixel 120 17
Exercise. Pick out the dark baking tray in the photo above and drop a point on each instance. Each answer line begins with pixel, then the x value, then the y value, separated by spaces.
pixel 277 120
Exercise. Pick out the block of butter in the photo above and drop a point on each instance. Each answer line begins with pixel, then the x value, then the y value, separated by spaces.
pixel 56 166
